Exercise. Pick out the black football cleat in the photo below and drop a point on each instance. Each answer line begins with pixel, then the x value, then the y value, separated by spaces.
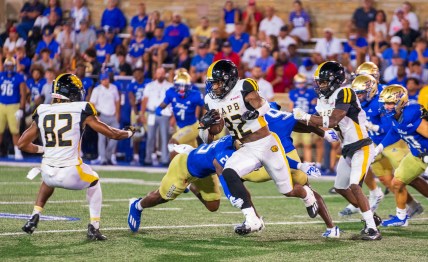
pixel 95 234
pixel 31 224
pixel 313 210
pixel 371 234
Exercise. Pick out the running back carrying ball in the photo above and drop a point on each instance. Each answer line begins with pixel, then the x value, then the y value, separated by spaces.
pixel 212 121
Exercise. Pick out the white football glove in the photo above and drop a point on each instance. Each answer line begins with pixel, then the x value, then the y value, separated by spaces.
pixel 309 168
pixel 331 136
pixel 371 127
pixel 299 114
pixel 236 202
pixel 377 151
pixel 19 114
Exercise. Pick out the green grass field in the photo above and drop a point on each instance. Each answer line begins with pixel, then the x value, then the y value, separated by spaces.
pixel 183 230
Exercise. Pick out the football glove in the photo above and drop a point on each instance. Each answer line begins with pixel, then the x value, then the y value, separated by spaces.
pixel 211 117
pixel 377 151
pixel 236 202
pixel 299 114
pixel 371 127
pixel 310 169
pixel 250 115
pixel 131 129
pixel 331 136
pixel 19 114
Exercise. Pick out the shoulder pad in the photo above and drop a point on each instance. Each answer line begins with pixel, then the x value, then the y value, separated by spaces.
pixel 249 85
pixel 346 96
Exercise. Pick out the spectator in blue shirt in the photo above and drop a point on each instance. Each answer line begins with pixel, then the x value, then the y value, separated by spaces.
pixel 112 38
pixel 23 63
pixel 53 6
pixel 230 17
pixel 29 12
pixel 138 46
pixel 140 20
pixel 176 34
pixel 113 17
pixel 158 45
pixel 355 49
pixel 420 53
pixel 104 50
pixel 200 63
pixel 363 16
pixel 48 42
pixel 395 49
pixel 35 85
pixel 265 60
pixel 239 39
pixel 152 23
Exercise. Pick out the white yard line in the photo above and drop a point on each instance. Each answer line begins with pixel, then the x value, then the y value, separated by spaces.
pixel 186 226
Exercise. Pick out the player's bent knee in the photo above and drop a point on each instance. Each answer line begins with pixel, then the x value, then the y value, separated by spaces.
pixel 397 184
pixel 212 206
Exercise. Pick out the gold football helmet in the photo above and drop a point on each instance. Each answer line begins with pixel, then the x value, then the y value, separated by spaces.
pixel 365 84
pixel 395 94
pixel 182 82
pixel 368 68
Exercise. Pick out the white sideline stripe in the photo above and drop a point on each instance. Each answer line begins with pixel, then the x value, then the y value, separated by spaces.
pixel 127 200
pixel 186 226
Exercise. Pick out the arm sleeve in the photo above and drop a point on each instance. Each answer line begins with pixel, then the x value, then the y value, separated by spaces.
pixel 390 138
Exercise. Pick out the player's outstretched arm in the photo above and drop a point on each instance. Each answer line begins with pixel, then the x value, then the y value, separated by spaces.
pixel 25 142
pixel 108 131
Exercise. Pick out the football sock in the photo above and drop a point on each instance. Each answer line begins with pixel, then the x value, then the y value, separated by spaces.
pixel 94 196
pixel 309 200
pixel 236 187
pixel 250 214
pixel 136 157
pixel 401 213
pixel 37 210
pixel 139 206
pixel 368 217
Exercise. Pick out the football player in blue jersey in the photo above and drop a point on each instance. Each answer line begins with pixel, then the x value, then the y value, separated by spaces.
pixel 135 95
pixel 13 92
pixel 409 123
pixel 186 105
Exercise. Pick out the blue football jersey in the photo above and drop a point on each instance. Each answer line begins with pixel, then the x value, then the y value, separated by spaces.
pixel 200 160
pixel 125 106
pixel 372 109
pixel 282 123
pixel 138 90
pixel 184 108
pixel 35 88
pixel 9 87
pixel 87 84
pixel 303 100
pixel 405 128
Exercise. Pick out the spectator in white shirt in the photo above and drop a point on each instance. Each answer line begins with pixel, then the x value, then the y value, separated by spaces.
pixel 265 88
pixel 328 48
pixel 396 25
pixel 271 24
pixel 410 16
pixel 154 94
pixel 284 39
pixel 12 42
pixel 79 13
pixel 251 53
pixel 105 97
pixel 66 39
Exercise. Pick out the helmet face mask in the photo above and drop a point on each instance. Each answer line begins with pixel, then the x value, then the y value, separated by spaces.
pixel 393 99
pixel 328 77
pixel 222 76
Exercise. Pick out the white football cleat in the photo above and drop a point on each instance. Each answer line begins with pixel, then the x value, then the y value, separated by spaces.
pixel 250 226
pixel 332 232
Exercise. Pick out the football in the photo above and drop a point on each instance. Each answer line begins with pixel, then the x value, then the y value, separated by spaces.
pixel 215 129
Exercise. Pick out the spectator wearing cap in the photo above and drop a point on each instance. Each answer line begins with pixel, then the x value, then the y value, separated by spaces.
pixel 251 54
pixel 87 82
pixel 35 84
pixel 28 14
pixel 284 39
pixel 85 38
pixel 137 47
pixel 53 6
pixel 419 72
pixel 355 49
pixel 112 38
pixel 48 42
pixel 153 23
pixel 281 74
pixel 413 87
pixel 23 63
pixel 140 19
pixel 271 24
pixel 177 33
pixel 265 88
pixel 420 53
pixel 328 48
pixel 394 51
pixel 106 100
pixel 227 53
pixel 300 22
pixel 202 32
pixel 239 39
pixel 12 42
pixel 200 63
pixel 363 16
pixel 265 60
pixel 251 18
pixel 103 49
pixel 395 24
pixel 113 17
pixel 183 60
pixel 46 61
pixel 66 40
pixel 230 17
pixel 407 34
pixel 308 69
pixel 79 13
pixel 410 16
